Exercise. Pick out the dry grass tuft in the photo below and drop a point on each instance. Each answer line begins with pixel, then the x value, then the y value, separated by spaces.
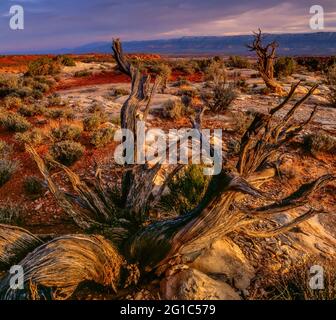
pixel 15 243
pixel 55 269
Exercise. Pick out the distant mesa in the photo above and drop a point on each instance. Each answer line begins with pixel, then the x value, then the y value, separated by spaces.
pixel 304 44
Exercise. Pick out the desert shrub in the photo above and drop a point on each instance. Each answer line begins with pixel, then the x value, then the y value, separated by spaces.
pixel 165 72
pixel 97 108
pixel 9 81
pixel 238 62
pixel 55 100
pixel 320 142
pixel 216 71
pixel 331 80
pixel 203 64
pixel 11 214
pixel 11 102
pixel 295 284
pixel 118 92
pixel 37 94
pixel 115 120
pixel 66 132
pixel 34 137
pixel 7 168
pixel 28 111
pixel 284 66
pixel 39 109
pixel 102 137
pixel 82 73
pixel 41 87
pixel 184 66
pixel 66 60
pixel 173 109
pixel 220 96
pixel 67 152
pixel 93 122
pixel 43 66
pixel 5 149
pixel 55 113
pixel 33 186
pixel 186 190
pixel 14 122
pixel 69 114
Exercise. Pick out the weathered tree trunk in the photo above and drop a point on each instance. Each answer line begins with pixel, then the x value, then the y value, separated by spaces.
pixel 266 59
pixel 131 240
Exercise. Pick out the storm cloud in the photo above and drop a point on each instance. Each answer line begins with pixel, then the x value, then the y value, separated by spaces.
pixel 62 23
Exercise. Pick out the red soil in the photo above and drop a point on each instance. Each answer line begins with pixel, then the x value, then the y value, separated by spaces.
pixel 114 77
pixel 94 79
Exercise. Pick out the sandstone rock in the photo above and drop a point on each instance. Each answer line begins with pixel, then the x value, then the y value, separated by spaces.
pixel 225 258
pixel 191 284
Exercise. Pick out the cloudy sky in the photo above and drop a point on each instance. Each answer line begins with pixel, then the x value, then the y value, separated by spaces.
pixel 68 23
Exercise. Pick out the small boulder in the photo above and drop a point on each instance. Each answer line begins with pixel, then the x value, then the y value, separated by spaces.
pixel 191 284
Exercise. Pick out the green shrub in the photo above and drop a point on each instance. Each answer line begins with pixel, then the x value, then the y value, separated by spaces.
pixel 34 137
pixel 7 168
pixel 284 66
pixel 28 111
pixel 216 71
pixel 295 284
pixel 102 137
pixel 43 66
pixel 12 102
pixel 66 60
pixel 83 73
pixel 33 186
pixel 220 96
pixel 186 190
pixel 69 114
pixel 320 142
pixel 238 62
pixel 55 100
pixel 14 122
pixel 9 81
pixel 184 66
pixel 316 63
pixel 5 149
pixel 96 108
pixel 11 214
pixel 42 87
pixel 92 122
pixel 165 72
pixel 203 64
pixel 67 152
pixel 66 132
pixel 55 113
pixel 173 109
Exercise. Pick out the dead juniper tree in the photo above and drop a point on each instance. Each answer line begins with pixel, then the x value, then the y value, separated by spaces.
pixel 266 59
pixel 121 242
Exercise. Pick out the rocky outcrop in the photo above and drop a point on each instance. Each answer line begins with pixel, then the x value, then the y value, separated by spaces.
pixel 191 284
pixel 225 259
